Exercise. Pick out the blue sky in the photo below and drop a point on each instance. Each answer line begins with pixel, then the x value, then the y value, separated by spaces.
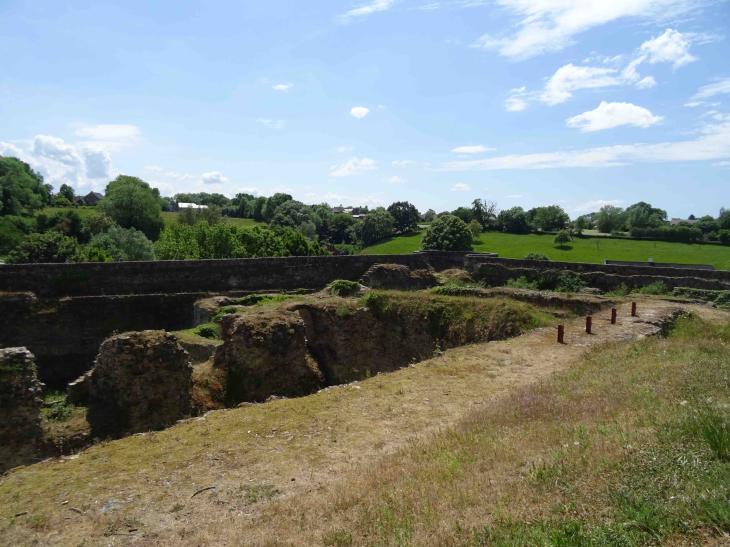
pixel 522 102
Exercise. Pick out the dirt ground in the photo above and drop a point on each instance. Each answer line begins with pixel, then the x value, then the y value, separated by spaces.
pixel 172 486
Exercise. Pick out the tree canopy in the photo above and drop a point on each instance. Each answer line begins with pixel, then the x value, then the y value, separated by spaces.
pixel 21 189
pixel 448 233
pixel 133 204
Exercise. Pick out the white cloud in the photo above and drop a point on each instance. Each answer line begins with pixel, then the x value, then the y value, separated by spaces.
pixel 550 25
pixel 359 112
pixel 669 47
pixel 596 205
pixel 569 78
pixel 471 149
pixel 282 87
pixel 402 164
pixel 344 149
pixel 609 115
pixel 214 177
pixel 271 123
pixel 61 162
pixel 516 102
pixel 719 87
pixel 174 175
pixel 646 83
pixel 460 187
pixel 514 196
pixel 711 143
pixel 98 163
pixel 353 166
pixel 395 179
pixel 364 10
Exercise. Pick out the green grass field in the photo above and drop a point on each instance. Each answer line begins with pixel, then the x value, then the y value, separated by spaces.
pixel 581 250
pixel 167 217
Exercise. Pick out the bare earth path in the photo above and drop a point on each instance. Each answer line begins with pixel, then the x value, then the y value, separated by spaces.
pixel 162 487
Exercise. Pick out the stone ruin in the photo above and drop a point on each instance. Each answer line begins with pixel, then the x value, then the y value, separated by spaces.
pixel 141 381
pixel 21 435
pixel 398 277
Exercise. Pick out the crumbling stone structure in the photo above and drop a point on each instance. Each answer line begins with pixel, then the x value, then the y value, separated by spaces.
pixel 21 434
pixel 141 381
pixel 266 354
pixel 398 277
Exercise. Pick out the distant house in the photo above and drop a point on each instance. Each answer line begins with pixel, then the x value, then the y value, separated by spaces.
pixel 183 205
pixel 678 221
pixel 92 198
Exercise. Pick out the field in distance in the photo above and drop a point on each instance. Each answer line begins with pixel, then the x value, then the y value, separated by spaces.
pixel 594 250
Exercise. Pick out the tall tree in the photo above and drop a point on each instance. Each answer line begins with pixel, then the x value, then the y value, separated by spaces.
pixel 405 215
pixel 21 189
pixel 133 204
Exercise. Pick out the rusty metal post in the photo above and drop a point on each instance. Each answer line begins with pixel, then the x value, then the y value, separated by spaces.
pixel 633 309
pixel 613 316
pixel 589 324
pixel 561 334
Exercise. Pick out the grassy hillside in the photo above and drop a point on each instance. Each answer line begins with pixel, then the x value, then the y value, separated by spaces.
pixel 581 250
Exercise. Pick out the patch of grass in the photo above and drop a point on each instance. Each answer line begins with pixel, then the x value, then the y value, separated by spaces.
pixel 56 408
pixel 343 287
pixel 714 428
pixel 593 250
pixel 211 331
pixel 522 283
pixel 656 288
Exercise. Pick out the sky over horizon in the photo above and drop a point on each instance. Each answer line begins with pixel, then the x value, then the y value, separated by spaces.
pixel 521 102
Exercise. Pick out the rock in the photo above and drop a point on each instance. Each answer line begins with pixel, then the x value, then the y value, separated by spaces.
pixel 77 392
pixel 399 277
pixel 141 381
pixel 21 401
pixel 265 354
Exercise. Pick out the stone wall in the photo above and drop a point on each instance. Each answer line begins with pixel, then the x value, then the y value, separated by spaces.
pixel 20 408
pixel 65 334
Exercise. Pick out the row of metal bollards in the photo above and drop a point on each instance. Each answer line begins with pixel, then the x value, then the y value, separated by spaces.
pixel 589 323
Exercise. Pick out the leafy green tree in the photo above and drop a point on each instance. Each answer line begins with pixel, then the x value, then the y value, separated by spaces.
pixel 376 226
pixel 475 228
pixel 643 215
pixel 340 230
pixel 45 247
pixel 429 216
pixel 272 204
pixel 67 222
pixel 707 225
pixel 123 244
pixel 21 189
pixel 67 192
pixel 513 220
pixel 133 204
pixel 292 214
pixel 464 213
pixel 448 233
pixel 13 229
pixel 610 219
pixel 724 219
pixel 562 238
pixel 548 218
pixel 405 217
pixel 177 242
pixel 484 212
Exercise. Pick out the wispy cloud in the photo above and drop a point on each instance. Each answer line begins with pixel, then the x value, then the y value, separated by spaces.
pixel 546 26
pixel 711 143
pixel 596 205
pixel 471 149
pixel 364 10
pixel 719 87
pixel 282 87
pixel 353 166
pixel 109 137
pixel 271 123
pixel 214 177
pixel 460 187
pixel 609 115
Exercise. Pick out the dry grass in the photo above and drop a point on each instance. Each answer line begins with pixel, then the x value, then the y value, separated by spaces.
pixel 451 451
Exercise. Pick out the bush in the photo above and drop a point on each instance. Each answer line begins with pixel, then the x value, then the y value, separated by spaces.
pixel 448 233
pixel 13 229
pixel 133 204
pixel 343 287
pixel 475 228
pixel 44 248
pixel 536 256
pixel 569 282
pixel 123 244
pixel 211 331
pixel 681 234
pixel 562 238
pixel 723 236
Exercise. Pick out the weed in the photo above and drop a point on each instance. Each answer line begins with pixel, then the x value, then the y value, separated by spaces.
pixel 657 287
pixel 522 283
pixel 569 282
pixel 211 331
pixel 56 408
pixel 337 538
pixel 715 430
pixel 343 287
